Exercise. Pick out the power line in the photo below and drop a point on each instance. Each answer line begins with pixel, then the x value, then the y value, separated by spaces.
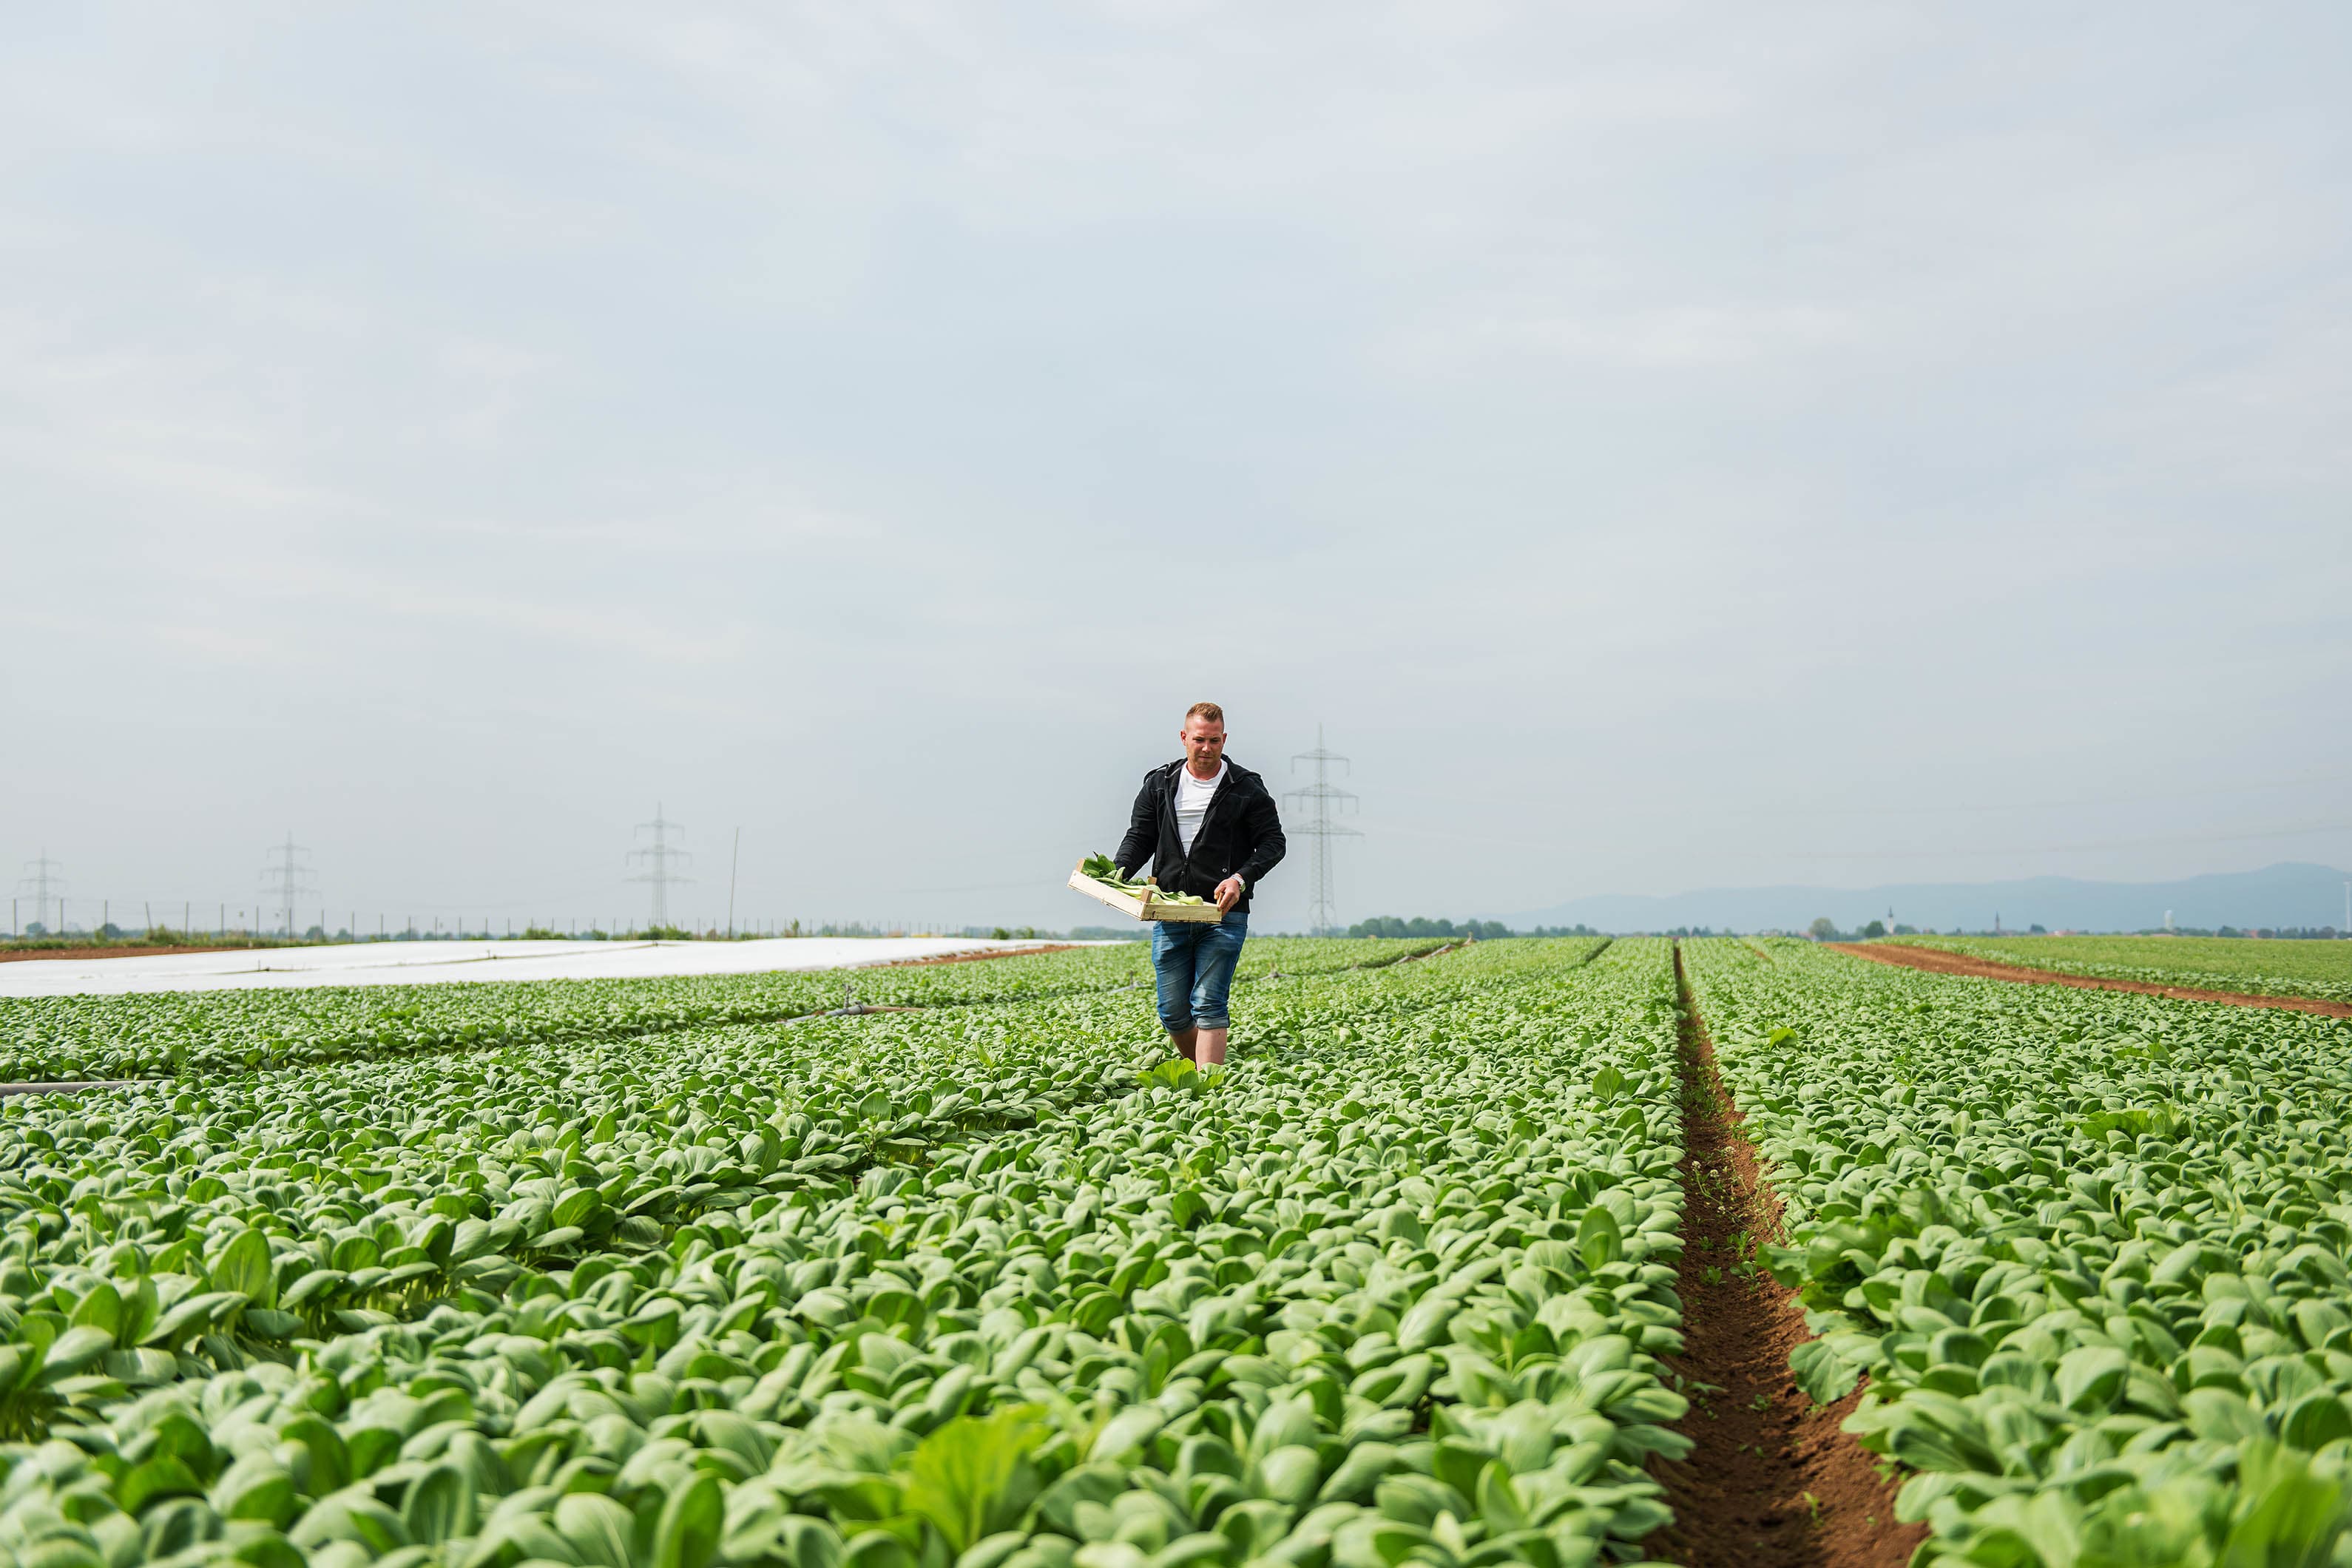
pixel 657 858
pixel 282 864
pixel 1322 797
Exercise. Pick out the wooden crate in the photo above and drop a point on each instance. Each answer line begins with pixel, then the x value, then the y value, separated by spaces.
pixel 1144 907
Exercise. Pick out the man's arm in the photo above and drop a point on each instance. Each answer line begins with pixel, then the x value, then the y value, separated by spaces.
pixel 1266 843
pixel 1142 840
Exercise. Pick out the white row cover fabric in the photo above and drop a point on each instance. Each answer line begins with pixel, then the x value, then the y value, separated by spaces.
pixel 436 962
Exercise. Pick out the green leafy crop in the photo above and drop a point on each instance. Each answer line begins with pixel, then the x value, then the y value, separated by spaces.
pixel 2089 1249
pixel 980 1285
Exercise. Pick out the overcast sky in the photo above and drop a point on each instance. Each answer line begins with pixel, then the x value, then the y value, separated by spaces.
pixel 1664 446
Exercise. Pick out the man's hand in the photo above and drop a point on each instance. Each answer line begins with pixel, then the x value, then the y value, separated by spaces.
pixel 1229 893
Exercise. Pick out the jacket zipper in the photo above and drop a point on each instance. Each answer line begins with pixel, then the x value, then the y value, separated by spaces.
pixel 1209 811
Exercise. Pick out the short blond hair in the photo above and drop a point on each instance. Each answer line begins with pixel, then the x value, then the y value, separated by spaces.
pixel 1209 710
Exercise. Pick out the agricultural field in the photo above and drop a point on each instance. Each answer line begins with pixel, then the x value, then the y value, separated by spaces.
pixel 2088 1248
pixel 2322 970
pixel 688 1273
pixel 990 1282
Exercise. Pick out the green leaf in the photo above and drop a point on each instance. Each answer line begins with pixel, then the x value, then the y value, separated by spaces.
pixel 2295 1523
pixel 331 1462
pixel 191 1317
pixel 1599 1237
pixel 140 1310
pixel 992 1551
pixel 255 1488
pixel 438 1505
pixel 973 1477
pixel 244 1266
pixel 1825 1376
pixel 102 1309
pixel 692 1519
pixel 74 1350
pixel 162 1477
pixel 2314 1420
pixel 1424 1323
pixel 350 1515
pixel 268 1324
pixel 2091 1377
pixel 576 1207
pixel 597 1529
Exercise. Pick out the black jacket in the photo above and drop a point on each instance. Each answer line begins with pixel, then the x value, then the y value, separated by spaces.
pixel 1240 836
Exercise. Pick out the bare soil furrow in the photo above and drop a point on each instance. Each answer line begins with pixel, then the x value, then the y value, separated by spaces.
pixel 1938 961
pixel 1772 1481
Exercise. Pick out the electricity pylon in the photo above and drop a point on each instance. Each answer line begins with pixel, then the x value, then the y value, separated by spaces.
pixel 1321 798
pixel 42 881
pixel 283 865
pixel 658 858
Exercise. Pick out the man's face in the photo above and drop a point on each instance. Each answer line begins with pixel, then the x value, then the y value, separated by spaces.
pixel 1204 744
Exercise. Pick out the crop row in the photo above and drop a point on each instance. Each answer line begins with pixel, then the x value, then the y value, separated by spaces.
pixel 529 1154
pixel 223 1032
pixel 532 1152
pixel 1389 1283
pixel 2316 969
pixel 2089 1248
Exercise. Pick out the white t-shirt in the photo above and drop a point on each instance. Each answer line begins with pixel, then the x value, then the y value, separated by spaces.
pixel 1192 797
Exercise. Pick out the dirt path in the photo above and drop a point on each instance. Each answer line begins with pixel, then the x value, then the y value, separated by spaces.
pixel 127 950
pixel 1772 1481
pixel 1938 961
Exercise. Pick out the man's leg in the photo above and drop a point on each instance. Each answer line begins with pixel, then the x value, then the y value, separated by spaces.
pixel 1212 982
pixel 1172 969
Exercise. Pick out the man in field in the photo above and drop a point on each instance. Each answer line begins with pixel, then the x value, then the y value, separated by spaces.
pixel 1209 828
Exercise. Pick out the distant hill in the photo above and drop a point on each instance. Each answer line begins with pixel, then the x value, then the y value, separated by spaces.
pixel 2282 895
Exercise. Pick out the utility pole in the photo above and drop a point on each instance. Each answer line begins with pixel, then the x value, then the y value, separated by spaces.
pixel 658 858
pixel 42 881
pixel 1321 799
pixel 733 861
pixel 284 867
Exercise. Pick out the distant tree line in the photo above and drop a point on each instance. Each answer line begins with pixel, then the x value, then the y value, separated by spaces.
pixel 2278 933
pixel 1479 931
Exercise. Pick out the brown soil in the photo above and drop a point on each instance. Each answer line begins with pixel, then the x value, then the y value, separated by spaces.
pixel 1772 1481
pixel 975 957
pixel 119 950
pixel 1937 961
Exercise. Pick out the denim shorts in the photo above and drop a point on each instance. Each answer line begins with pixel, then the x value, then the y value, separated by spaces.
pixel 1194 962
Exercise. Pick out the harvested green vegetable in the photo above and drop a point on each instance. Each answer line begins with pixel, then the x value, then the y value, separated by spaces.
pixel 1103 870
